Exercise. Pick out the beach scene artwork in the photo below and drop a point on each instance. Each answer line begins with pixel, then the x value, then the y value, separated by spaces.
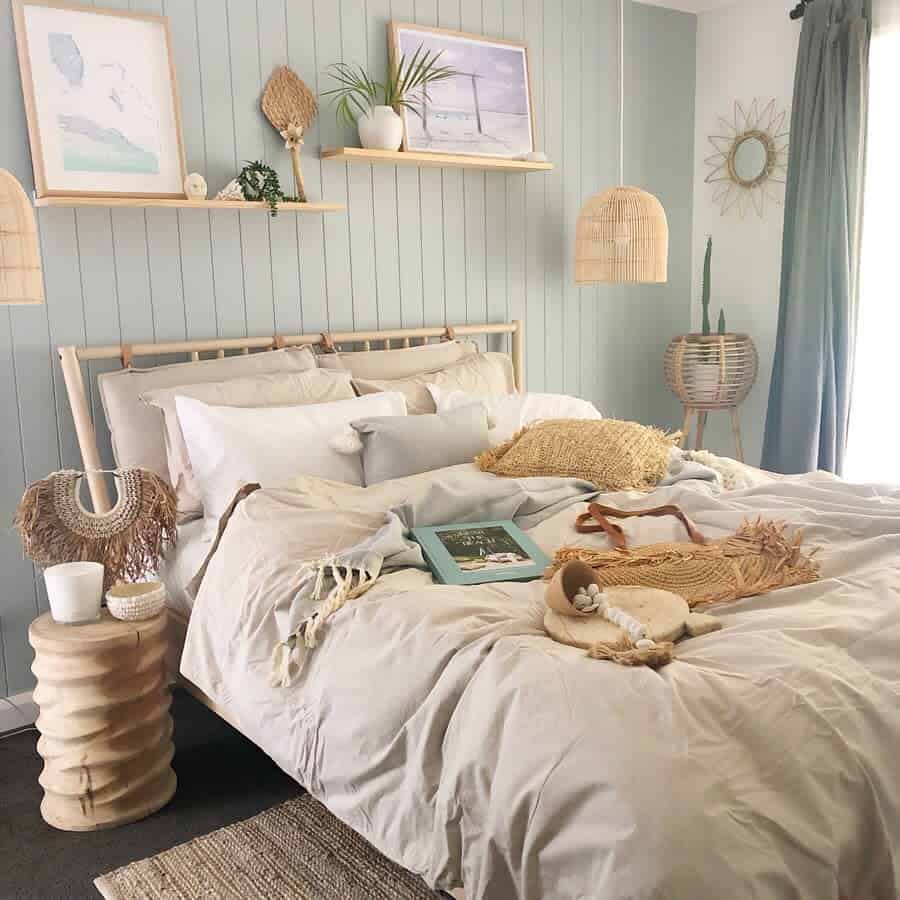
pixel 104 101
pixel 485 110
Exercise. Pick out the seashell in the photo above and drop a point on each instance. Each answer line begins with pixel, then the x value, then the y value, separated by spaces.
pixel 195 186
pixel 593 589
pixel 645 644
pixel 231 191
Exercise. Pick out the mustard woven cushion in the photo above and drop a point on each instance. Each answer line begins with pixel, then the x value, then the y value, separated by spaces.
pixel 614 455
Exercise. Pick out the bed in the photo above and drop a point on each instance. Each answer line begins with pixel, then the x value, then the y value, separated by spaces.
pixel 443 725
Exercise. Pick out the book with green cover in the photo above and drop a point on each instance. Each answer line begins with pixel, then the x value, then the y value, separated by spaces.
pixel 480 552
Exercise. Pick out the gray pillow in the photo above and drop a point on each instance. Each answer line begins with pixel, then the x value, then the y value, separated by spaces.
pixel 395 446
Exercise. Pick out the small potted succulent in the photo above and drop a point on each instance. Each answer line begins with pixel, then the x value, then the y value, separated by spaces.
pixel 372 105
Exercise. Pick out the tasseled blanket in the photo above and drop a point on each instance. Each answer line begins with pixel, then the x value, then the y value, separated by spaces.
pixel 289 655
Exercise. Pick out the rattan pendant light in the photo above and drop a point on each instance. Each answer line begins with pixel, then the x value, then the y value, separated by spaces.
pixel 20 257
pixel 622 234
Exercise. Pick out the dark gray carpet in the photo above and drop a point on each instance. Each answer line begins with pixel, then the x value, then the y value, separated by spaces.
pixel 222 778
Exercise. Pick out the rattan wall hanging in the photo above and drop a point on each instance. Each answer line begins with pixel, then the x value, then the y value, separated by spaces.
pixel 21 281
pixel 711 372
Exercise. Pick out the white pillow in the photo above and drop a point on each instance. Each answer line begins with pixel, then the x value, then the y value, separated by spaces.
pixel 230 445
pixel 481 374
pixel 279 389
pixel 507 413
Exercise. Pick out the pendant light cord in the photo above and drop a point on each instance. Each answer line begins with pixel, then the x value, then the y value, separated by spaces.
pixel 621 92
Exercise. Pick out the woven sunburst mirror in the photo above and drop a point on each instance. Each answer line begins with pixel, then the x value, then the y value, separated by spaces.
pixel 750 162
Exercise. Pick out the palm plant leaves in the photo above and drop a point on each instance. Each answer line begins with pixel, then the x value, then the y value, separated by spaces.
pixel 358 93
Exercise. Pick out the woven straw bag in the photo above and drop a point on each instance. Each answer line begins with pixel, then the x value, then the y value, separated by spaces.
pixel 760 557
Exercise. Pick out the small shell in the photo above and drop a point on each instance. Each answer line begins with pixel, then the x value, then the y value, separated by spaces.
pixel 645 644
pixel 593 589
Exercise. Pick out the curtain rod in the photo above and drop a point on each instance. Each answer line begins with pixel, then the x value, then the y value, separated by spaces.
pixel 799 9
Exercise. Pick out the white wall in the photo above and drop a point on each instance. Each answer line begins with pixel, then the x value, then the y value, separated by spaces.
pixel 743 51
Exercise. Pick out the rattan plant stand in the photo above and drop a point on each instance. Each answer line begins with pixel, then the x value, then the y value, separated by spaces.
pixel 710 372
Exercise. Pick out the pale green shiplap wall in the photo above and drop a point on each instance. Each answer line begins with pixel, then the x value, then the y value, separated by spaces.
pixel 414 247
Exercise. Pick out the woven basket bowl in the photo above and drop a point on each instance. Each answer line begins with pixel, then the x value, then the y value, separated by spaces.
pixel 711 371
pixel 132 602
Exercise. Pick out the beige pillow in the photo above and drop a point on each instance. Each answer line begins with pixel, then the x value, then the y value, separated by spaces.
pixel 484 374
pixel 613 455
pixel 401 363
pixel 137 430
pixel 277 389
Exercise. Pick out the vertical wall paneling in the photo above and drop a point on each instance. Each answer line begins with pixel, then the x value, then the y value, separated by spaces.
pixel 536 230
pixel 570 154
pixel 454 208
pixel 354 51
pixel 304 60
pixel 495 223
pixel 414 245
pixel 334 178
pixel 514 30
pixel 430 213
pixel 283 230
pixel 385 215
pixel 550 101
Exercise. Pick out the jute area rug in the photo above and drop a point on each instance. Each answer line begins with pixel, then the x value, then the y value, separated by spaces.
pixel 295 851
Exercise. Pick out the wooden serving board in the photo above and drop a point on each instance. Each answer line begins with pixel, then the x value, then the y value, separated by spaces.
pixel 663 612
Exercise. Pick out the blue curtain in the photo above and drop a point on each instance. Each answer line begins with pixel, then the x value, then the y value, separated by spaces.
pixel 812 372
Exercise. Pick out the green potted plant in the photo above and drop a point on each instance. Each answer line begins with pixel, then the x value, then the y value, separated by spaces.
pixel 372 105
pixel 706 368
pixel 709 371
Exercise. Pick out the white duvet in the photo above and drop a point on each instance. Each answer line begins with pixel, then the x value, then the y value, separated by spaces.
pixel 445 727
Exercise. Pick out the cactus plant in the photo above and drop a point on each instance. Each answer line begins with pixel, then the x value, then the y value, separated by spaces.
pixel 704 298
pixel 721 326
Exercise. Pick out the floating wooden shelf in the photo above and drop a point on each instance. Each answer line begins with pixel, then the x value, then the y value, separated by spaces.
pixel 116 202
pixel 438 160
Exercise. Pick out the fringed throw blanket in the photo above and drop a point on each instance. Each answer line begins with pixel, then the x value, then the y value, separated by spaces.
pixel 129 539
pixel 760 557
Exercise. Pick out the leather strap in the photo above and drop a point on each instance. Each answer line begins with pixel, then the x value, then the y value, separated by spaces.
pixel 599 514
pixel 278 342
pixel 327 344
pixel 127 356
pixel 449 333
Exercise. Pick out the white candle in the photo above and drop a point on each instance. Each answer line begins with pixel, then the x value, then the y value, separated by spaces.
pixel 75 591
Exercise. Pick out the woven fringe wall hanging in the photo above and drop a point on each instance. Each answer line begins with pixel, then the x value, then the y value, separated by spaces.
pixel 129 539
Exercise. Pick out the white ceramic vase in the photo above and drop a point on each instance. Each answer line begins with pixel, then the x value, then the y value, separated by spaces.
pixel 380 129
pixel 705 378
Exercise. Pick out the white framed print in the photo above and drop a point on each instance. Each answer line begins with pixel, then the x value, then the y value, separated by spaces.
pixel 101 101
pixel 484 110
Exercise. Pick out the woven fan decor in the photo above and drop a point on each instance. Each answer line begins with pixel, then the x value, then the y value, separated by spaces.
pixel 129 539
pixel 758 558
pixel 612 454
pixel 291 108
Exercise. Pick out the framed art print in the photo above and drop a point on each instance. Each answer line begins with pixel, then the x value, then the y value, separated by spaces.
pixel 101 101
pixel 485 110
pixel 479 552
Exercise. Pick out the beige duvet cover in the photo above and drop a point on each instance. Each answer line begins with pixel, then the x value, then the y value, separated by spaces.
pixel 443 725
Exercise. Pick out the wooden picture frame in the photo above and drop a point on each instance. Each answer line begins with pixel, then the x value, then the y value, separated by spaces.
pixel 444 39
pixel 107 127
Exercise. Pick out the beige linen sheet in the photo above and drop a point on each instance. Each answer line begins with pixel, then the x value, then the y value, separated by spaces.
pixel 444 726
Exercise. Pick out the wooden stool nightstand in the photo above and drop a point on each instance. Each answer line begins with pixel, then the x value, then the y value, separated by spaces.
pixel 106 732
